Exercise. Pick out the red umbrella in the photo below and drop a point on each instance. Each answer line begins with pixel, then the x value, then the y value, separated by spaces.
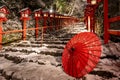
pixel 81 54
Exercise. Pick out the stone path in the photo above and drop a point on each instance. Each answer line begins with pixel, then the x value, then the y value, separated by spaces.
pixel 29 60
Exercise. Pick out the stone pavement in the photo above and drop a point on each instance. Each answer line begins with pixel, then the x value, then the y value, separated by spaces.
pixel 29 60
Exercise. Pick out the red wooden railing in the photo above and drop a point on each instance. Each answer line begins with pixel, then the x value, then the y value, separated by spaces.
pixel 107 22
pixel 89 15
pixel 61 21
pixel 90 19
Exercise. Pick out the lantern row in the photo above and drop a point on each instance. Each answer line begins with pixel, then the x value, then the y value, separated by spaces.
pixel 39 13
pixel 59 20
pixel 25 13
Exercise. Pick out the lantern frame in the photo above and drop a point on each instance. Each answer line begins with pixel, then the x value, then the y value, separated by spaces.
pixel 25 13
pixel 93 2
pixel 3 12
pixel 38 13
pixel 45 14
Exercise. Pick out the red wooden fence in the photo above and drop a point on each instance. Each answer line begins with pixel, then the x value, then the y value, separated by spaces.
pixel 90 19
pixel 107 22
pixel 61 21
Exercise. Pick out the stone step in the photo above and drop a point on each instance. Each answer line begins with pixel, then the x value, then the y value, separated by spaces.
pixel 33 71
pixel 70 35
pixel 40 45
pixel 114 49
pixel 39 50
pixel 64 39
pixel 19 57
pixel 49 42
pixel 4 64
pixel 56 39
pixel 30 71
pixel 60 46
pixel 2 78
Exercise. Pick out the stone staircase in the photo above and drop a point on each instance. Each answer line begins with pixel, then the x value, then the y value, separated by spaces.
pixel 36 59
pixel 31 60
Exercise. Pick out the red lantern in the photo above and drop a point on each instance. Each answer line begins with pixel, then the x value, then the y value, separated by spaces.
pixel 38 13
pixel 52 15
pixel 45 14
pixel 24 17
pixel 93 2
pixel 25 13
pixel 3 12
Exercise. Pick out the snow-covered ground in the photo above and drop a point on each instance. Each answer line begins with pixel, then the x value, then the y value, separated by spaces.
pixel 29 61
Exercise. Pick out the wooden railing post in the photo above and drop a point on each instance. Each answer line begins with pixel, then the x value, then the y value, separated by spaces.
pixel 45 24
pixel 59 22
pixel 88 1
pixel 42 35
pixel 0 34
pixel 106 22
pixel 36 26
pixel 24 29
pixel 89 23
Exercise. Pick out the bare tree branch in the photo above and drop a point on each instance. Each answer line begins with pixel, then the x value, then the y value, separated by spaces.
pixel 41 3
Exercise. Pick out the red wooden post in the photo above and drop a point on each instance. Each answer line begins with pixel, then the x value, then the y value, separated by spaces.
pixel 37 15
pixel 89 23
pixel 86 22
pixel 56 21
pixel 24 16
pixel 24 29
pixel 59 21
pixel 36 26
pixel 0 34
pixel 94 24
pixel 45 15
pixel 106 22
pixel 45 24
pixel 52 15
pixel 3 12
pixel 51 22
pixel 88 1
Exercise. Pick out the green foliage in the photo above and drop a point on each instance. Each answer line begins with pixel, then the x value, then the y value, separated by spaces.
pixel 61 5
pixel 11 37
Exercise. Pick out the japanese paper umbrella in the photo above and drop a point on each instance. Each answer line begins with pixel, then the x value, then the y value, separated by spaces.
pixel 81 54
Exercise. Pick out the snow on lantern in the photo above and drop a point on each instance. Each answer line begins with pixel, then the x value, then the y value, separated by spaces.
pixel 52 15
pixel 38 13
pixel 3 12
pixel 25 13
pixel 45 14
